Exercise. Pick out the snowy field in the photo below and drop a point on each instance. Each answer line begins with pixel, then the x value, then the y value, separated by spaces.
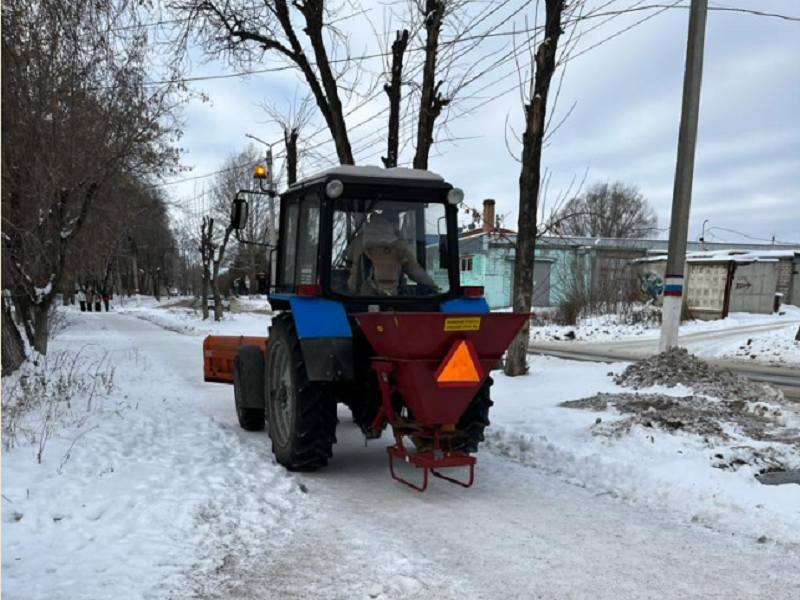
pixel 147 488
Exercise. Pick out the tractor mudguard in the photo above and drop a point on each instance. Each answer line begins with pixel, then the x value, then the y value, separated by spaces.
pixel 326 338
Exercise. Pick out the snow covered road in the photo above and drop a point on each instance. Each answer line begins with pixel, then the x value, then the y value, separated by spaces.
pixel 206 513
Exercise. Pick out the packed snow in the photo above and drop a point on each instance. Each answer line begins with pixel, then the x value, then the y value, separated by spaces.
pixel 759 339
pixel 142 484
pixel 610 327
pixel 154 491
pixel 777 348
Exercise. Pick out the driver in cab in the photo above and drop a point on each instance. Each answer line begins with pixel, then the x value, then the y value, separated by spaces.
pixel 389 256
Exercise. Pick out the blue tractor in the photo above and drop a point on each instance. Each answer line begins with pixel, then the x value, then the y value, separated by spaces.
pixel 370 313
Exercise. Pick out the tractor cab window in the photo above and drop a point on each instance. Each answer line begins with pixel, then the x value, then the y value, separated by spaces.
pixel 300 241
pixel 381 247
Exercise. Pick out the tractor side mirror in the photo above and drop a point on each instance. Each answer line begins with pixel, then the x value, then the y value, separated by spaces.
pixel 239 212
pixel 444 252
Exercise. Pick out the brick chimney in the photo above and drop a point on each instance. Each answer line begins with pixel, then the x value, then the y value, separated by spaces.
pixel 488 216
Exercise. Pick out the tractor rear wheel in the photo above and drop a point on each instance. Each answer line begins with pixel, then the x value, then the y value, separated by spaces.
pixel 301 413
pixel 474 420
pixel 248 387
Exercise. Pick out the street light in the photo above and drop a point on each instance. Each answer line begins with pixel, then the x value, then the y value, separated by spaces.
pixel 703 235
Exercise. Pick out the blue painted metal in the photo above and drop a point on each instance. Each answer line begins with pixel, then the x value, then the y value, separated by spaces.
pixel 317 317
pixel 466 305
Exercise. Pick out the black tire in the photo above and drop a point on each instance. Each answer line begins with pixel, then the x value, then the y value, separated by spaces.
pixel 301 414
pixel 474 421
pixel 248 387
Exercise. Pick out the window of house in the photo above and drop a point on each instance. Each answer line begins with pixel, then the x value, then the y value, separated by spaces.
pixel 466 264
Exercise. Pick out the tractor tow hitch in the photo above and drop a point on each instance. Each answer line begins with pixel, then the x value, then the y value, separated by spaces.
pixel 429 461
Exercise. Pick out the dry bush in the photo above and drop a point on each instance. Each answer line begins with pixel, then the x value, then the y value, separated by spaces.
pixel 60 391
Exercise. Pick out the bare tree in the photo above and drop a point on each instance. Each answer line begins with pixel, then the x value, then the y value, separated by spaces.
pixel 246 32
pixel 431 99
pixel 535 110
pixel 394 92
pixel 237 174
pixel 613 210
pixel 77 119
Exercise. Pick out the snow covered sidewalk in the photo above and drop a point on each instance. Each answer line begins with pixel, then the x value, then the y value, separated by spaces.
pixel 154 488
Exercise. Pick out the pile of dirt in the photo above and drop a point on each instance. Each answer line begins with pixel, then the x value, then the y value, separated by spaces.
pixel 694 414
pixel 715 420
pixel 676 366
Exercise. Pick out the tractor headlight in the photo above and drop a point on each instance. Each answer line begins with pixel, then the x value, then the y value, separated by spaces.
pixel 455 196
pixel 334 189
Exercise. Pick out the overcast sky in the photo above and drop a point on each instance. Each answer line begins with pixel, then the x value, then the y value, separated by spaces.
pixel 627 96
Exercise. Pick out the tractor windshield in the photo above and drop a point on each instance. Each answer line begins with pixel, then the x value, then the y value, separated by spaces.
pixel 387 248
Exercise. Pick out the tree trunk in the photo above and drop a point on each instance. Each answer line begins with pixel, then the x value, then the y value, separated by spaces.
pixel 290 138
pixel 529 182
pixel 431 101
pixel 157 285
pixel 135 267
pixel 40 326
pixel 217 261
pixel 22 305
pixel 13 349
pixel 207 229
pixel 392 90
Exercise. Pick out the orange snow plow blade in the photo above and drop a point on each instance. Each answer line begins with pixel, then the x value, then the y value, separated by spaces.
pixel 219 352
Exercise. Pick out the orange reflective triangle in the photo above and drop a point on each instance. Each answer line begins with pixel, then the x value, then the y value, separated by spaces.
pixel 460 368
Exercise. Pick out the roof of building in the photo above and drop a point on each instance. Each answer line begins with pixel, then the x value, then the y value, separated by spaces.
pixel 728 255
pixel 480 231
pixel 657 246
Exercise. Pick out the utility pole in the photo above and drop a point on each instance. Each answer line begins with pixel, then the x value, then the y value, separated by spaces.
pixel 684 174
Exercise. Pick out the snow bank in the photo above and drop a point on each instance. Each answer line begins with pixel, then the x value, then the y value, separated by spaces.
pixel 607 328
pixel 190 321
pixel 777 347
pixel 669 471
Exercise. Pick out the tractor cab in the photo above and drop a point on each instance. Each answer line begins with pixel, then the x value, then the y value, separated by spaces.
pixel 369 237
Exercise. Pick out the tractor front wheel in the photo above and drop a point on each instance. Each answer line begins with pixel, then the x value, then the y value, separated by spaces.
pixel 301 413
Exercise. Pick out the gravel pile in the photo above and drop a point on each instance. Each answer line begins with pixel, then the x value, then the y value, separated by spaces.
pixel 694 414
pixel 677 366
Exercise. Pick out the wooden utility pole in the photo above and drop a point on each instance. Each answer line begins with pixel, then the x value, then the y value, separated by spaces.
pixel 684 175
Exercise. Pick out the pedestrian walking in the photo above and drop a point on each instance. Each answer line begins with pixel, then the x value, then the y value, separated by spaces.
pixel 98 302
pixel 80 295
pixel 106 299
pixel 89 299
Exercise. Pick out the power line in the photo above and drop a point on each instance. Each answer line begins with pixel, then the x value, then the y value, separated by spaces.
pixel 750 237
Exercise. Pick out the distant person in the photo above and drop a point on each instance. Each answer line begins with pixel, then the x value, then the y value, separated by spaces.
pixel 106 299
pixel 80 295
pixel 98 302
pixel 89 300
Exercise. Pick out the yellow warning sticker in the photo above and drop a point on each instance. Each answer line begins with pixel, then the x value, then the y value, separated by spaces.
pixel 462 324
